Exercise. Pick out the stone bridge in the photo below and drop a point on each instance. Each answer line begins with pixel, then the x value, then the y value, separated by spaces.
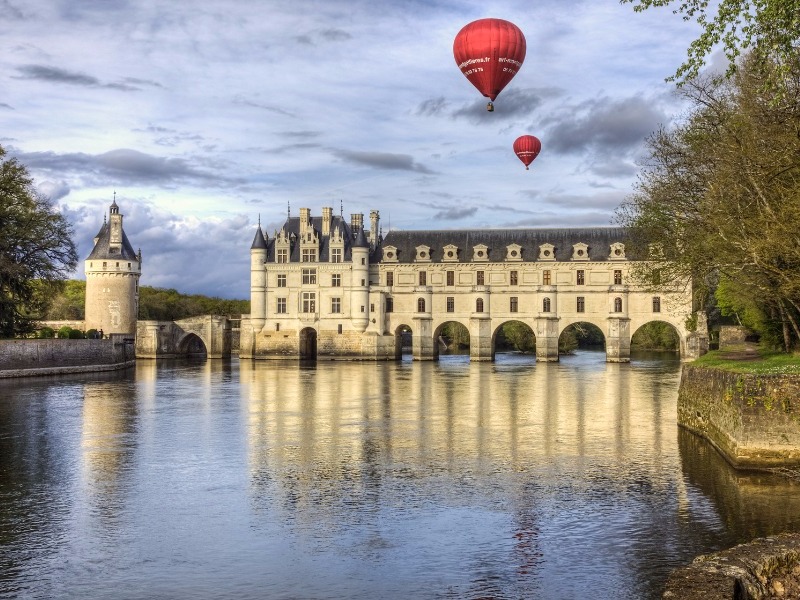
pixel 209 336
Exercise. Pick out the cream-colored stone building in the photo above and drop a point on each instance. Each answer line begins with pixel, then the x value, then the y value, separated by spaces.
pixel 112 279
pixel 322 287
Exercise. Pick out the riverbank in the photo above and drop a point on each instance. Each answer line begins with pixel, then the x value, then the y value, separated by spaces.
pixel 746 403
pixel 41 357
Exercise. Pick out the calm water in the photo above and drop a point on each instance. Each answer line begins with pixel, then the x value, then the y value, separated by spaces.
pixel 346 480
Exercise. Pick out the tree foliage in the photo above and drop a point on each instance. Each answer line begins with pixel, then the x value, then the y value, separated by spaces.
pixel 770 29
pixel 656 335
pixel 719 196
pixel 516 335
pixel 36 249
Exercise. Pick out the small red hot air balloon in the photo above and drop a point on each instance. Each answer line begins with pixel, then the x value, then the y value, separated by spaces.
pixel 527 147
pixel 489 53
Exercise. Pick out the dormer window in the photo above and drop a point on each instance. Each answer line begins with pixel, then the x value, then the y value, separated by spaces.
pixel 514 252
pixel 389 254
pixel 617 251
pixel 480 253
pixel 450 253
pixel 547 252
pixel 580 251
pixel 423 254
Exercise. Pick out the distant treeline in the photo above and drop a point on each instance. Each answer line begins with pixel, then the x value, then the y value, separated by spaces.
pixel 156 304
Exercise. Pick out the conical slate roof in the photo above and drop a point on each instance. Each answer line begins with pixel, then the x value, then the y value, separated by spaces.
pixel 259 242
pixel 361 239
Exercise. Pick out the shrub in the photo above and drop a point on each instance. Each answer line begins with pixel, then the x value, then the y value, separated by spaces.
pixel 46 333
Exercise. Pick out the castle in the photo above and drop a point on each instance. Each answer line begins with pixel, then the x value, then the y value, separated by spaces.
pixel 323 287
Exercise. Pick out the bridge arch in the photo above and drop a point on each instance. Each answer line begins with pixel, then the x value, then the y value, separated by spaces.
pixel 403 338
pixel 515 333
pixel 572 334
pixel 192 345
pixel 438 338
pixel 657 334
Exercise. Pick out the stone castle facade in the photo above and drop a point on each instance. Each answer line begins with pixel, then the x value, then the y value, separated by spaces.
pixel 323 287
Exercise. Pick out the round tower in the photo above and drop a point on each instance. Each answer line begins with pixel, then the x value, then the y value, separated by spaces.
pixel 359 299
pixel 258 280
pixel 112 279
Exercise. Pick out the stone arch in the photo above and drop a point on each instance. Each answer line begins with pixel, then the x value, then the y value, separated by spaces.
pixel 308 343
pixel 577 323
pixel 673 329
pixel 437 334
pixel 192 345
pixel 403 336
pixel 524 328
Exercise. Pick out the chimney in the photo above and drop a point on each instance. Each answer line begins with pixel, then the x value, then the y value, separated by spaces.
pixel 356 222
pixel 374 220
pixel 305 218
pixel 327 211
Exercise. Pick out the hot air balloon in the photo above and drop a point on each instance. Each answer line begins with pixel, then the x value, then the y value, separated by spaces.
pixel 527 147
pixel 489 53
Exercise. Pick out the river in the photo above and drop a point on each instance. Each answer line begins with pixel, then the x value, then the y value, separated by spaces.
pixel 279 480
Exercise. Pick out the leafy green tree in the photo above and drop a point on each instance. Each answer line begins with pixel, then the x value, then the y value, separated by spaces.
pixel 69 304
pixel 655 335
pixel 769 28
pixel 516 335
pixel 719 196
pixel 36 250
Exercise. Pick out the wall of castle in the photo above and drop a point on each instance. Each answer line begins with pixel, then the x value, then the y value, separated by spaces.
pixel 111 299
pixel 20 358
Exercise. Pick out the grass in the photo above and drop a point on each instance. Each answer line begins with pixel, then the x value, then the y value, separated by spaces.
pixel 751 360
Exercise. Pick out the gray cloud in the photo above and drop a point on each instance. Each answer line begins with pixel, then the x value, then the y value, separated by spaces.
pixel 55 190
pixel 123 166
pixel 301 134
pixel 58 75
pixel 382 160
pixel 241 101
pixel 451 214
pixel 512 103
pixel 4 105
pixel 330 34
pixel 604 124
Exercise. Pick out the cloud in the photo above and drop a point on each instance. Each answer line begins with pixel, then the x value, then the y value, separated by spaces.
pixel 330 34
pixel 382 160
pixel 604 124
pixel 57 75
pixel 513 103
pixel 452 214
pixel 242 101
pixel 123 166
pixel 55 190
pixel 4 105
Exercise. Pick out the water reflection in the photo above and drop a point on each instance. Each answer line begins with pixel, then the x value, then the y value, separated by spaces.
pixel 433 480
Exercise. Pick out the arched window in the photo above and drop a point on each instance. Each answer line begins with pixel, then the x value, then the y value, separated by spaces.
pixel 479 305
pixel 421 305
pixel 546 305
pixel 617 304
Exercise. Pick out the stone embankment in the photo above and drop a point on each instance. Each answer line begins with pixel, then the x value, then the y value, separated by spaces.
pixel 752 419
pixel 25 358
pixel 764 569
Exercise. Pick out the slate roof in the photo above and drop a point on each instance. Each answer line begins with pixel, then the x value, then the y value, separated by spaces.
pixel 599 240
pixel 292 226
pixel 102 249
pixel 259 243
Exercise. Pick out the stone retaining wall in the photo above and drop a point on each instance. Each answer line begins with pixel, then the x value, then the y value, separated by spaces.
pixel 753 420
pixel 21 358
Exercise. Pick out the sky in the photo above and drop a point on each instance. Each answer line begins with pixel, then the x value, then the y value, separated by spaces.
pixel 203 116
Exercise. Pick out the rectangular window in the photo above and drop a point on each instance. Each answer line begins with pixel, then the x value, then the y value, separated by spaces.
pixel 451 304
pixel 581 277
pixel 336 255
pixel 277 326
pixel 451 278
pixel 513 278
pixel 309 302
pixel 479 278
pixel 309 276
pixel 336 280
pixel 423 278
pixel 309 255
pixel 390 278
pixel 514 307
pixel 362 308
pixel 281 280
pixel 336 305
pixel 656 304
pixel 546 277
pixel 581 304
pixel 389 305
pixel 283 255
pixel 281 306
pixel 340 328
pixel 617 277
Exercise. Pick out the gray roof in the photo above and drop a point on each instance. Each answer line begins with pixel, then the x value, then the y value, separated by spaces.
pixel 598 239
pixel 292 227
pixel 259 243
pixel 102 249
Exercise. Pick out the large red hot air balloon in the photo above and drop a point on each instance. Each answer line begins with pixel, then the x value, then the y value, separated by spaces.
pixel 527 147
pixel 489 53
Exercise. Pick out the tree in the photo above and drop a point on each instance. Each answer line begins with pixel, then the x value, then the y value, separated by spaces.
pixel 769 28
pixel 719 196
pixel 36 249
